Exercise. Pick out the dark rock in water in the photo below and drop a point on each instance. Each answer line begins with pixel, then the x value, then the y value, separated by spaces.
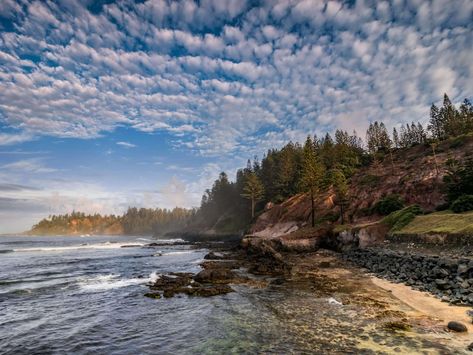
pixel 457 327
pixel 220 276
pixel 214 256
pixel 209 282
pixel 470 347
pixel 208 291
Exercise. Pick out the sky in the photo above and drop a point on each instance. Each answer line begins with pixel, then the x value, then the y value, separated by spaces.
pixel 110 104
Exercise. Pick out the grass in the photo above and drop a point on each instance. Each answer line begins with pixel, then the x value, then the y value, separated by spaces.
pixel 440 222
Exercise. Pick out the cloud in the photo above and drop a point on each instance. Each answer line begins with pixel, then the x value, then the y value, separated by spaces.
pixel 10 139
pixel 225 80
pixel 126 144
pixel 33 165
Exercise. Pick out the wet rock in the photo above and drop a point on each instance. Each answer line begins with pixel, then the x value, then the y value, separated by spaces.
pixel 216 276
pixel 457 327
pixel 214 256
pixel 208 291
pixel 153 295
pixel 470 347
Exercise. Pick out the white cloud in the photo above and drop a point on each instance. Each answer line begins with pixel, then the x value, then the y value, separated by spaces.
pixel 126 144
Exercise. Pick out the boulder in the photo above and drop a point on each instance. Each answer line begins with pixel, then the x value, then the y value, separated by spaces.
pixel 457 327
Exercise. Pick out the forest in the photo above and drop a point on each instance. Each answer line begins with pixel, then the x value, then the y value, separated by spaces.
pixel 135 221
pixel 318 164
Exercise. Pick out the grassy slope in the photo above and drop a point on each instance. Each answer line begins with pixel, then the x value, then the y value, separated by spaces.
pixel 440 222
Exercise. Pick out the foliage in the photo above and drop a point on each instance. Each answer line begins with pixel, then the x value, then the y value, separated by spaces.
pixel 401 218
pixel 463 204
pixel 448 121
pixel 377 137
pixel 370 180
pixel 388 204
pixel 143 221
pixel 253 190
pixel 459 179
pixel 294 168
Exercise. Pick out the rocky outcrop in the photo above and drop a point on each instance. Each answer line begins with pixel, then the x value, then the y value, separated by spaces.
pixel 450 279
pixel 359 237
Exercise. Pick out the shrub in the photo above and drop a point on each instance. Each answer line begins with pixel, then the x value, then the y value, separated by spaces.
pixel 399 219
pixel 388 204
pixel 462 204
pixel 370 180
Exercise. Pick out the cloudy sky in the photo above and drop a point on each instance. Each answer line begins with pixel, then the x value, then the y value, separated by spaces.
pixel 106 104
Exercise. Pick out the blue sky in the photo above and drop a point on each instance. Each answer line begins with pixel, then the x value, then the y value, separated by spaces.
pixel 109 104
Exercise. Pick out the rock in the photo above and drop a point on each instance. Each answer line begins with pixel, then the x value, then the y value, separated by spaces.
pixel 470 347
pixel 462 269
pixel 442 284
pixel 208 291
pixel 457 327
pixel 216 276
pixel 153 295
pixel 214 256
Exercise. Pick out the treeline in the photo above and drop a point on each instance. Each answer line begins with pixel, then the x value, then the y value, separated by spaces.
pixel 318 164
pixel 145 221
pixel 142 221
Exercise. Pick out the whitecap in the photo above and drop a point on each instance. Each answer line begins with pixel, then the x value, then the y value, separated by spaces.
pixel 106 245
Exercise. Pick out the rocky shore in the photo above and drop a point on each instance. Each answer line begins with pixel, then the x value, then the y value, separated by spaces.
pixel 450 279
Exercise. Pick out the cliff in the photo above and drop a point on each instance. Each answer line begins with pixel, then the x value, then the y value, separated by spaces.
pixel 415 174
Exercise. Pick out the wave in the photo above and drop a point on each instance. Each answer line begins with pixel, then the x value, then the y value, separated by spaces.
pixel 5 251
pixel 111 281
pixel 107 245
pixel 178 252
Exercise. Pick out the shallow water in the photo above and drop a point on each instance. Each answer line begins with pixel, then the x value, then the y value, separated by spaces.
pixel 85 295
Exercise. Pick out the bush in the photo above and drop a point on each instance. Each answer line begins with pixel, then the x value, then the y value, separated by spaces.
pixel 399 219
pixel 462 204
pixel 388 204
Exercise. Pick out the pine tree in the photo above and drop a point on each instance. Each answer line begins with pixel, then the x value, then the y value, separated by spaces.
pixel 312 174
pixel 395 138
pixel 253 191
pixel 449 118
pixel 340 188
pixel 435 124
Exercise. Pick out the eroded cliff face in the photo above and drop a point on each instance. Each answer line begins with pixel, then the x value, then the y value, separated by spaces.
pixel 415 174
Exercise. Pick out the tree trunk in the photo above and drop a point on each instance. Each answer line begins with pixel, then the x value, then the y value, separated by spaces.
pixel 252 208
pixel 435 159
pixel 341 214
pixel 312 207
pixel 392 161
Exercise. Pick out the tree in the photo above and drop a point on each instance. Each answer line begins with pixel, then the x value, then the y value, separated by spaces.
pixel 312 174
pixel 435 124
pixel 377 137
pixel 340 188
pixel 253 191
pixel 395 138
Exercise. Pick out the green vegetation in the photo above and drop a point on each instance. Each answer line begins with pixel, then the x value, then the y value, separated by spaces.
pixel 440 222
pixel 322 163
pixel 253 191
pixel 388 204
pixel 143 221
pixel 399 219
pixel 463 204
pixel 459 179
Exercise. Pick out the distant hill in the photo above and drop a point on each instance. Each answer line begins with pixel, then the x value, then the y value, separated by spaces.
pixel 142 221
